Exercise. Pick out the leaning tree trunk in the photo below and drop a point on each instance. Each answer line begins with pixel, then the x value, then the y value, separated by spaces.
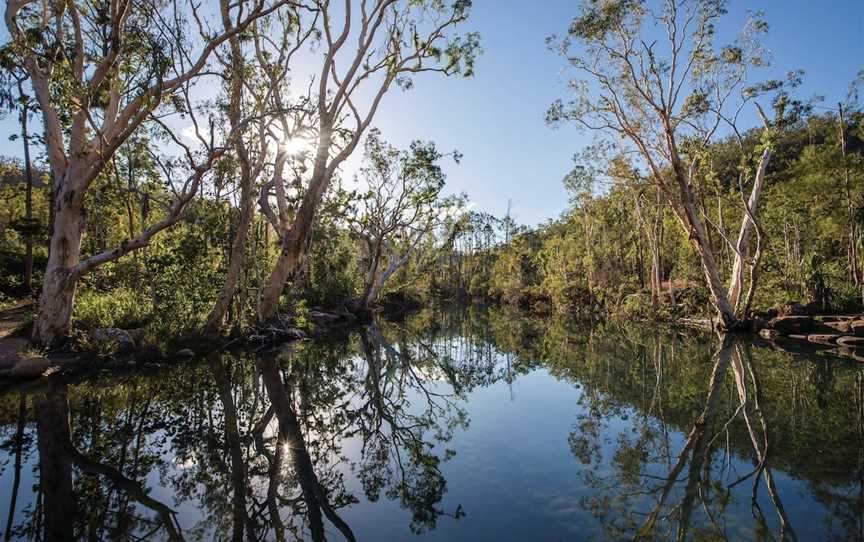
pixel 288 262
pixel 236 260
pixel 237 257
pixel 293 241
pixel 58 291
pixel 698 236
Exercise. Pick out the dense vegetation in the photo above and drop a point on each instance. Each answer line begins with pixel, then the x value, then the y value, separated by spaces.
pixel 148 200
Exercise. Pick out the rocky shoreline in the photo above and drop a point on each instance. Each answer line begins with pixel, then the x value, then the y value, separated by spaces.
pixel 115 349
pixel 840 335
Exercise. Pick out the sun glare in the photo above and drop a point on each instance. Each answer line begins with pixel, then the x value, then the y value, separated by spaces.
pixel 294 145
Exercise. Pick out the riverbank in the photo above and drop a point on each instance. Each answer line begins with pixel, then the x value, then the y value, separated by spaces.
pixel 107 350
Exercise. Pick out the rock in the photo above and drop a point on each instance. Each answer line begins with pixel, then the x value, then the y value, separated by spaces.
pixel 137 334
pixel 840 326
pixel 118 338
pixel 10 351
pixel 756 325
pixel 149 353
pixel 823 338
pixel 768 333
pixel 857 327
pixel 792 309
pixel 853 342
pixel 186 353
pixel 32 368
pixel 787 325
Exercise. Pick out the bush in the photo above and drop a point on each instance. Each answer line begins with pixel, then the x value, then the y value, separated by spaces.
pixel 121 307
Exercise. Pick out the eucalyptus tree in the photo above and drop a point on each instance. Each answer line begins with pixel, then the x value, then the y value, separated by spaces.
pixel 252 74
pixel 657 80
pixel 401 206
pixel 99 70
pixel 395 40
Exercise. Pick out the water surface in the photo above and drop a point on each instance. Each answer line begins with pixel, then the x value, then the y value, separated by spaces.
pixel 468 426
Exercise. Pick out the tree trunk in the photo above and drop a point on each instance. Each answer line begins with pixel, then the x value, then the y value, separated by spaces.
pixel 294 240
pixel 58 291
pixel 853 230
pixel 291 438
pixel 236 260
pixel 371 276
pixel 286 264
pixel 698 236
pixel 237 257
pixel 28 172
pixel 742 246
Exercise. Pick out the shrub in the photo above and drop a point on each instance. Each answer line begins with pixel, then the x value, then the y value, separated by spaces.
pixel 120 307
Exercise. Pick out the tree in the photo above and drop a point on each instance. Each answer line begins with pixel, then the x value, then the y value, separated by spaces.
pixel 98 73
pixel 396 39
pixel 14 97
pixel 400 207
pixel 248 95
pixel 669 98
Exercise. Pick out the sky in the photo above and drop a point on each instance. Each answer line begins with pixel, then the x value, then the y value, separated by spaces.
pixel 496 118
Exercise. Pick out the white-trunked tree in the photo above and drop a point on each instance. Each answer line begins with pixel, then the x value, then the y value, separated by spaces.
pixel 368 47
pixel 99 70
pixel 656 81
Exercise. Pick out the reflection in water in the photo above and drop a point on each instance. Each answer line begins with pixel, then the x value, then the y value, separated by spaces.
pixel 368 438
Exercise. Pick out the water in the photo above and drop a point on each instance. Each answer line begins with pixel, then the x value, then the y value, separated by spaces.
pixel 469 426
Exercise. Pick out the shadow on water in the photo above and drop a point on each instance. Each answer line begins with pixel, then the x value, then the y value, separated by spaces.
pixel 609 435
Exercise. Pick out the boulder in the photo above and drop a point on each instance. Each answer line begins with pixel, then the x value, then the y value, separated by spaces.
pixel 186 353
pixel 793 309
pixel 32 368
pixel 788 325
pixel 10 351
pixel 119 339
pixel 137 334
pixel 857 327
pixel 841 326
pixel 768 333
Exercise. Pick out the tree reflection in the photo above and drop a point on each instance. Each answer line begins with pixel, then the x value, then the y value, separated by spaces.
pixel 673 439
pixel 58 455
pixel 645 475
pixel 256 445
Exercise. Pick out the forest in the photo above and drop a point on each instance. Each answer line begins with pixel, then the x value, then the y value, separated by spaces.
pixel 187 170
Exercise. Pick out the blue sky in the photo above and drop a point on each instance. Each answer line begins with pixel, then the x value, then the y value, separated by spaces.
pixel 496 119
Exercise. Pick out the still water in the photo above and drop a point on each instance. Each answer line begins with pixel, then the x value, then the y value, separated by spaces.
pixel 470 426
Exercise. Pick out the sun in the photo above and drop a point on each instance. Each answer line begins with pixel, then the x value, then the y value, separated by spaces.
pixel 295 146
